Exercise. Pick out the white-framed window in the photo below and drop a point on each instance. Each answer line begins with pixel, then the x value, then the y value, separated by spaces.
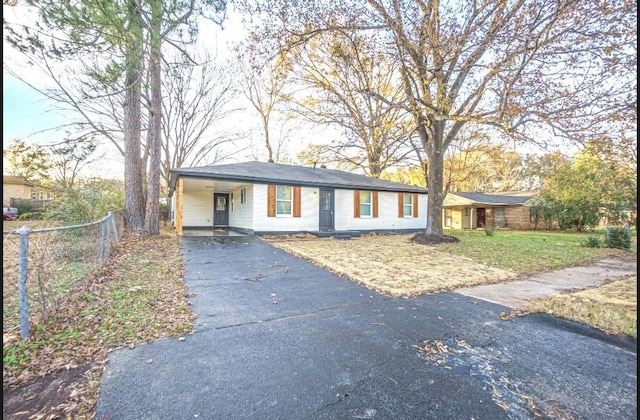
pixel 50 196
pixel 366 198
pixel 221 203
pixel 447 217
pixel 34 194
pixel 407 205
pixel 499 215
pixel 243 195
pixel 284 200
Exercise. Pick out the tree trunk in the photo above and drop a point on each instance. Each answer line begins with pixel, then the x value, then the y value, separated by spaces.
pixel 134 198
pixel 431 134
pixel 435 183
pixel 152 220
pixel 267 141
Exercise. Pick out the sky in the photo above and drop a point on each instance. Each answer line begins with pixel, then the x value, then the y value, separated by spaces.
pixel 24 111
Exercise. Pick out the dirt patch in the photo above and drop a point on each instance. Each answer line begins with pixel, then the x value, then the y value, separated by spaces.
pixel 52 396
pixel 425 239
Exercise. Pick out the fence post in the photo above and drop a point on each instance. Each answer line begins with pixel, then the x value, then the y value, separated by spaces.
pixel 104 234
pixel 23 266
pixel 112 217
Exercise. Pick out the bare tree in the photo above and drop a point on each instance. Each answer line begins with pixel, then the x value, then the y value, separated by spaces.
pixel 481 166
pixel 463 163
pixel 200 95
pixel 262 79
pixel 336 73
pixel 69 157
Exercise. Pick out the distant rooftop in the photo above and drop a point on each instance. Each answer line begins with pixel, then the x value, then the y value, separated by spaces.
pixel 507 198
pixel 17 180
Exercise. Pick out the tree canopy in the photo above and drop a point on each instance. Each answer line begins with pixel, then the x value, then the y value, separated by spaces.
pixel 536 71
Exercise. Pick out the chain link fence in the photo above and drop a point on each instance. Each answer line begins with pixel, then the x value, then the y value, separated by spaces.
pixel 40 266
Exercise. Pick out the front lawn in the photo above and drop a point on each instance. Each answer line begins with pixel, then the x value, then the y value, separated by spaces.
pixel 396 266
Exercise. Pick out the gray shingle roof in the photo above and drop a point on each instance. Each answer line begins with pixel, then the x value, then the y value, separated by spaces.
pixel 496 199
pixel 274 173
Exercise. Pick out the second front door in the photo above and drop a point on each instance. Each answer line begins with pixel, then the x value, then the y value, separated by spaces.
pixel 326 210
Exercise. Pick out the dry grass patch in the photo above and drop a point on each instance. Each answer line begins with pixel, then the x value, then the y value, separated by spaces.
pixel 611 307
pixel 392 264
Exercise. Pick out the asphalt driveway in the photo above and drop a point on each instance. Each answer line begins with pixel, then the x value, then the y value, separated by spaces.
pixel 278 338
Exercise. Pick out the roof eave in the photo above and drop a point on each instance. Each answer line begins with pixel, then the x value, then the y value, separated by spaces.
pixel 240 178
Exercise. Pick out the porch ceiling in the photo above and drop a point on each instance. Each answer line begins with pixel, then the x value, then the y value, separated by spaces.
pixel 214 185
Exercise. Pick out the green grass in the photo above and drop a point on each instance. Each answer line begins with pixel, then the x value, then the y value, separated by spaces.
pixel 524 252
pixel 20 353
pixel 69 274
pixel 127 313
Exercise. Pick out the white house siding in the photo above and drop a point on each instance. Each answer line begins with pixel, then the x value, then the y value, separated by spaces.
pixel 241 214
pixel 309 211
pixel 387 213
pixel 199 208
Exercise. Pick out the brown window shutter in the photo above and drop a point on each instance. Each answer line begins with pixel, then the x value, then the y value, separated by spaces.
pixel 415 204
pixel 271 201
pixel 401 205
pixel 375 204
pixel 296 202
pixel 356 203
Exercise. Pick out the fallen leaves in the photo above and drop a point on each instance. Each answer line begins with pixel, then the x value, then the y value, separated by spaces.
pixel 431 347
pixel 137 296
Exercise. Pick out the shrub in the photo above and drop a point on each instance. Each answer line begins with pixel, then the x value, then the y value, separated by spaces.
pixel 90 200
pixel 618 237
pixel 592 242
pixel 489 230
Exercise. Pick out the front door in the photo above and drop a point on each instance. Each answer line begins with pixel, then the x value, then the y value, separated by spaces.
pixel 480 217
pixel 220 210
pixel 326 210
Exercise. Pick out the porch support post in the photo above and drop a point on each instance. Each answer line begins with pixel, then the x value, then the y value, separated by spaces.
pixel 178 215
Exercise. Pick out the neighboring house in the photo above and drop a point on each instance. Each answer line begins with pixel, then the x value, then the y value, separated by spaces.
pixel 265 197
pixel 472 210
pixel 15 187
pixel 18 192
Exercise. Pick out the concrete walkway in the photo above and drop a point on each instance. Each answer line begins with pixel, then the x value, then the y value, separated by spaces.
pixel 516 294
